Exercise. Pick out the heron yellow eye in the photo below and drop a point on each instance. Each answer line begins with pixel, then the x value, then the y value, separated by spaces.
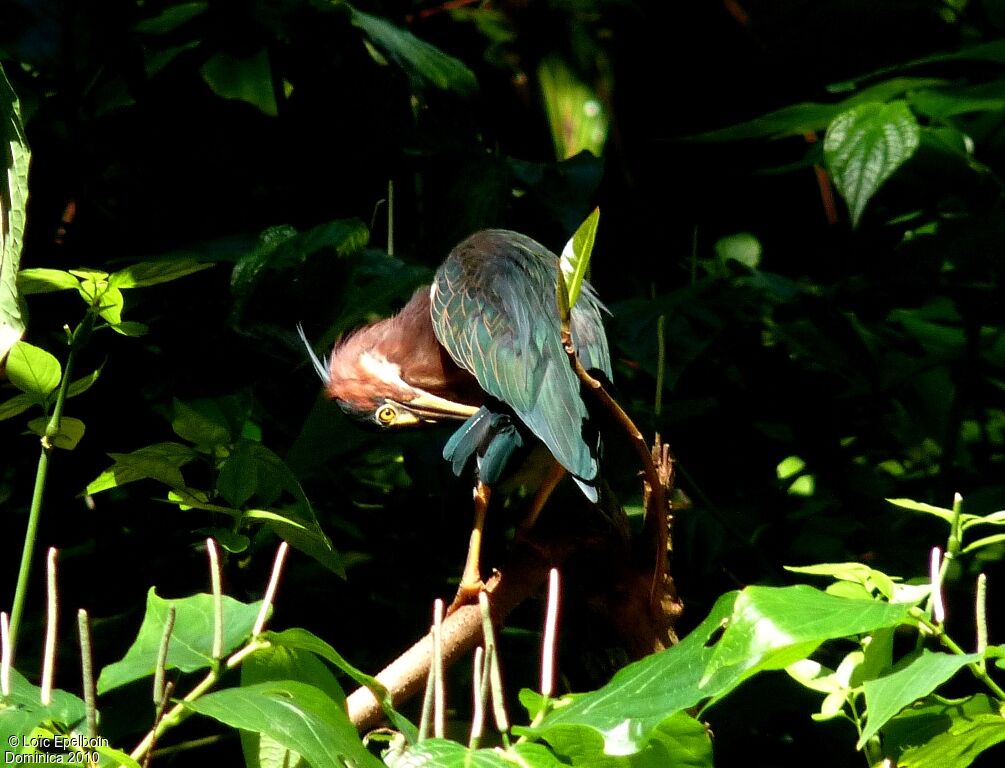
pixel 386 415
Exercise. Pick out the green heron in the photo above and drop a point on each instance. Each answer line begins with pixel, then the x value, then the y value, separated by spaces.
pixel 482 343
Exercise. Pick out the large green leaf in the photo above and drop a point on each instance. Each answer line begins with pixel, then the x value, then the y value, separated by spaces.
pixel 13 201
pixel 302 640
pixel 441 753
pixel 247 79
pixel 161 461
pixel 888 695
pixel 577 117
pixel 208 430
pixel 191 642
pixel 279 663
pixel 300 717
pixel 919 724
pixel 422 62
pixel 959 746
pixel 865 145
pixel 33 370
pixel 67 436
pixel 22 710
pixel 765 628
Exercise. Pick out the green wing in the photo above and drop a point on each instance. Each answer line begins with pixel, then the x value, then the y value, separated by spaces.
pixel 493 310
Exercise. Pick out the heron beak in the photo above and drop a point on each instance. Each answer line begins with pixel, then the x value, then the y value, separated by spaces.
pixel 431 408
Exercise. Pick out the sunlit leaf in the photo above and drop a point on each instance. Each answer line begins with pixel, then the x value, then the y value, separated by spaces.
pixel 888 695
pixel 575 259
pixel 299 716
pixel 70 431
pixel 865 145
pixel 577 117
pixel 191 644
pixel 148 273
pixel 161 461
pixel 33 370
pixel 40 280
pixel 16 406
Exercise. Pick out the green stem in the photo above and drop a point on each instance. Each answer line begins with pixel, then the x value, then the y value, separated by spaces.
pixel 950 645
pixel 51 430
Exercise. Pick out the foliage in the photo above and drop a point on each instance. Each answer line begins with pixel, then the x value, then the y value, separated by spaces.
pixel 803 265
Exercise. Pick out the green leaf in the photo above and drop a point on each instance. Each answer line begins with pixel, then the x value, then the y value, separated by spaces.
pixel 84 383
pixel 441 753
pixel 858 573
pixel 70 431
pixel 302 640
pixel 865 145
pixel 154 272
pixel 422 62
pixel 575 259
pixel 577 117
pixel 279 663
pixel 21 712
pixel 302 533
pixel 244 79
pixel 888 695
pixel 160 461
pixel 928 509
pixel 238 476
pixel 922 722
pixel 235 543
pixel 743 248
pixel 959 746
pixel 207 430
pixel 13 201
pixel 171 18
pixel 33 370
pixel 191 643
pixel 626 711
pixel 15 406
pixel 192 498
pixel 772 627
pixel 985 542
pixel 296 715
pixel 31 281
pixel 131 328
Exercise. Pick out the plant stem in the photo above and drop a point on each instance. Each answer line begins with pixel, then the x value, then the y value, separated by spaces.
pixel 51 430
pixel 950 645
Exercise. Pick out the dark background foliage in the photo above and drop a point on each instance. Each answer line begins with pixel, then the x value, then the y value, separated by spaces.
pixel 876 355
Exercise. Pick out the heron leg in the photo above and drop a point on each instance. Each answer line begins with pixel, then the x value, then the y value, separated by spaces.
pixel 471 579
pixel 544 491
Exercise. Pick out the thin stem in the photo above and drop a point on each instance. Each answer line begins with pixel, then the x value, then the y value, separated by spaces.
pixel 390 217
pixel 87 673
pixel 52 619
pixel 480 691
pixel 494 672
pixel 949 644
pixel 427 701
pixel 77 339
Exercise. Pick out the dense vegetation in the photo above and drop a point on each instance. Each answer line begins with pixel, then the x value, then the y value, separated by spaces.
pixel 801 244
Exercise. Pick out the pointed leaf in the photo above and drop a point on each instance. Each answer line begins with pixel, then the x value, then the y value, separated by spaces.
pixel 191 643
pixel 422 62
pixel 31 281
pixel 153 272
pixel 865 145
pixel 959 746
pixel 160 461
pixel 23 712
pixel 298 716
pixel 33 370
pixel 575 259
pixel 301 639
pixel 84 383
pixel 70 431
pixel 244 79
pixel 888 695
pixel 15 406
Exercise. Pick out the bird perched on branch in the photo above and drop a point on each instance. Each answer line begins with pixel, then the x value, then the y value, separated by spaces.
pixel 482 343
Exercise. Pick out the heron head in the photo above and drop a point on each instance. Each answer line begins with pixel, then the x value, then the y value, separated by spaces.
pixel 367 376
